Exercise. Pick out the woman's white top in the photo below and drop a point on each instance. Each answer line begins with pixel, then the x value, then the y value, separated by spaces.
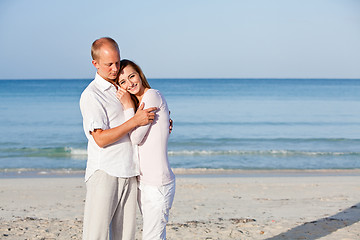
pixel 152 141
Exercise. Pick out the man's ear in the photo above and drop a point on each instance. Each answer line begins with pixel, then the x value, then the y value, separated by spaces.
pixel 95 63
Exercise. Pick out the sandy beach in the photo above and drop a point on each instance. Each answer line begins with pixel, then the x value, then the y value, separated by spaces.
pixel 208 205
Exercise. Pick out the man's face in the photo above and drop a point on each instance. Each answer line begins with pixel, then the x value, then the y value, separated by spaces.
pixel 108 63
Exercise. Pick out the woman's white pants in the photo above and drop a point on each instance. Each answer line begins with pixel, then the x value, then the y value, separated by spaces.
pixel 155 203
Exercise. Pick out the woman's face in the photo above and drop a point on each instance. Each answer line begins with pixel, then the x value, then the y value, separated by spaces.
pixel 130 80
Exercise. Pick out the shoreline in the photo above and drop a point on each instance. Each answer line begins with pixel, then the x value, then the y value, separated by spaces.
pixel 188 172
pixel 238 205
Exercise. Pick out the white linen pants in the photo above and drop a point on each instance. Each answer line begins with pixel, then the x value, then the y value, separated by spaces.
pixel 155 203
pixel 110 205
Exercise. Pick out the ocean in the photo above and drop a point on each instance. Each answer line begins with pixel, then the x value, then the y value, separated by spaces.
pixel 218 123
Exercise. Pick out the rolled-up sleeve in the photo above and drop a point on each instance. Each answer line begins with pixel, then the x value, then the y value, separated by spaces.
pixel 93 113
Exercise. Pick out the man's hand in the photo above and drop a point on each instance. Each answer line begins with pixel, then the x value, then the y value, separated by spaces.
pixel 125 98
pixel 144 116
pixel 171 124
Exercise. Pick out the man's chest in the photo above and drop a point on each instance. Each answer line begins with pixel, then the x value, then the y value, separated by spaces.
pixel 112 108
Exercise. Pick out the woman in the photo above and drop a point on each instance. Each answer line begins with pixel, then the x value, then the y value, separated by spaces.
pixel 156 181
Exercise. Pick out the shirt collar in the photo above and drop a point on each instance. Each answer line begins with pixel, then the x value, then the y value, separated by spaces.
pixel 102 83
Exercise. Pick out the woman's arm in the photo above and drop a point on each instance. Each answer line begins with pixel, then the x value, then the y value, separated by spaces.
pixel 151 99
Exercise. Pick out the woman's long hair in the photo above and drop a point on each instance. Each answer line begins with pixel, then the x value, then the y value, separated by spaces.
pixel 124 63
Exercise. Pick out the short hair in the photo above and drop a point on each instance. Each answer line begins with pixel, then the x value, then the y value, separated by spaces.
pixel 98 43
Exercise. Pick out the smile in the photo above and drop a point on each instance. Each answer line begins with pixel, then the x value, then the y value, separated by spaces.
pixel 131 88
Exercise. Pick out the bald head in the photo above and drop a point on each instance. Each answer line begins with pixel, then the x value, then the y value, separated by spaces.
pixel 98 44
pixel 106 58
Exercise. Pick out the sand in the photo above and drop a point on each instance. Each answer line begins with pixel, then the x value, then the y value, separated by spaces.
pixel 208 205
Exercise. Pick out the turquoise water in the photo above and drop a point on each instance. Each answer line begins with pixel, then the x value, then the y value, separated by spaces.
pixel 218 123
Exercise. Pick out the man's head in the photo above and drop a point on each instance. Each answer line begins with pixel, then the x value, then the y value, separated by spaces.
pixel 106 58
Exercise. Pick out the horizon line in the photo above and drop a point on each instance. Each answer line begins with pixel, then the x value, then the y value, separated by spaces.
pixel 178 78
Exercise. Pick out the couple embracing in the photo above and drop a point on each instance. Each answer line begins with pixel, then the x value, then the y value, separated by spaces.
pixel 127 125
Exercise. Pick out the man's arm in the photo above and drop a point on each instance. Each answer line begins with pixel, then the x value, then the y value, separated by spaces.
pixel 106 137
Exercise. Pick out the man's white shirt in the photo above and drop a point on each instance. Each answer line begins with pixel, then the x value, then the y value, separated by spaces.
pixel 102 110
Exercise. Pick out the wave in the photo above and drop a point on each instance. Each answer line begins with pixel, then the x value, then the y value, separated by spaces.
pixel 56 152
pixel 75 158
pixel 259 153
pixel 76 151
pixel 260 141
pixel 195 147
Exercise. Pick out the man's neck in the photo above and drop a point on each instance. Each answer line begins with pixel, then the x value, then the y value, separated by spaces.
pixel 110 81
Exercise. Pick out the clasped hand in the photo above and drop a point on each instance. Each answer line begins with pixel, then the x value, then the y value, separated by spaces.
pixel 125 98
pixel 142 116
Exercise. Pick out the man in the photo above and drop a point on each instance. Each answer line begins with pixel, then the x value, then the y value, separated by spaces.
pixel 112 164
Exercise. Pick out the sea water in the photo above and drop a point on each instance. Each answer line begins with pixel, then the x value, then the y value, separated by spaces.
pixel 218 123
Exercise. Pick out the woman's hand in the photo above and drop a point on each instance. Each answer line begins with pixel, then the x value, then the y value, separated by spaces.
pixel 125 98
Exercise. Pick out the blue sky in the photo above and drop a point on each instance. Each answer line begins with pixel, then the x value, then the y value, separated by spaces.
pixel 183 39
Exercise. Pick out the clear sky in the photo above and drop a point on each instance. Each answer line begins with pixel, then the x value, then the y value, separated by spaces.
pixel 183 39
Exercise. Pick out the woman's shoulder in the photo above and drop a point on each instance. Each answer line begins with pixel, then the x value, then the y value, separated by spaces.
pixel 153 93
pixel 154 96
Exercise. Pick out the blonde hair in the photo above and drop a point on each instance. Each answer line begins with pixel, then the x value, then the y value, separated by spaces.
pixel 99 43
